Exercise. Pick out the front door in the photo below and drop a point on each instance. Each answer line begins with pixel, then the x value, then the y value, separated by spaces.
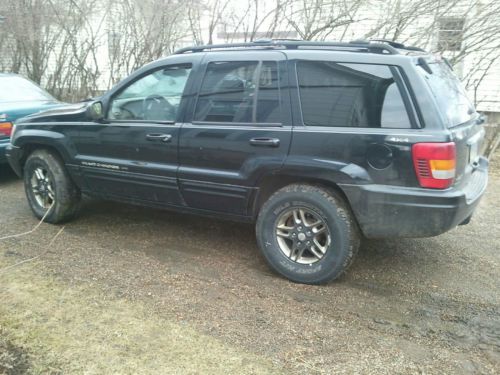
pixel 134 154
pixel 239 130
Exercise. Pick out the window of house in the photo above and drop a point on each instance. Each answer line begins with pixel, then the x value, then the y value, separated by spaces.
pixel 451 30
pixel 239 92
pixel 350 95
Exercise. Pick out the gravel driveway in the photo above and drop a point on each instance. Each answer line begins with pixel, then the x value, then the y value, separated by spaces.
pixel 406 306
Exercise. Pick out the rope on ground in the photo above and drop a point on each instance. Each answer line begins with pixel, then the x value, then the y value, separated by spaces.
pixel 30 231
pixel 2 270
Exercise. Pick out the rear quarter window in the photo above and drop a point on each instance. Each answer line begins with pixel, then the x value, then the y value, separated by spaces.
pixel 449 94
pixel 350 95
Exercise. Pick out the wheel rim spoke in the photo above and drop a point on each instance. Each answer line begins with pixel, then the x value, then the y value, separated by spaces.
pixel 315 252
pixel 319 246
pixel 318 229
pixel 283 234
pixel 50 192
pixel 303 217
pixel 39 174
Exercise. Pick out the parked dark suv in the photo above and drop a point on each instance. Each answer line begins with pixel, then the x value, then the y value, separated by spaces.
pixel 318 143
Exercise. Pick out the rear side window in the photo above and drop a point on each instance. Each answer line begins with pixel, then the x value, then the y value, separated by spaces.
pixel 239 92
pixel 350 95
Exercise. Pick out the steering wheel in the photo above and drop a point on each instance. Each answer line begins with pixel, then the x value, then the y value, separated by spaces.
pixel 156 107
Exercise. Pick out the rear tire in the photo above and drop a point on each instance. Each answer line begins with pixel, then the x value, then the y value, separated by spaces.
pixel 48 186
pixel 307 234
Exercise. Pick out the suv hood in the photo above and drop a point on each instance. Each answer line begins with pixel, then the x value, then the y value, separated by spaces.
pixel 66 112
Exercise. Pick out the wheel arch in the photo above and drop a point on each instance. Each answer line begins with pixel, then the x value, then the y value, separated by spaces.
pixel 29 148
pixel 270 184
pixel 29 140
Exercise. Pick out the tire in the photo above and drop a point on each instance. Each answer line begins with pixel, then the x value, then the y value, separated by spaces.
pixel 329 253
pixel 48 186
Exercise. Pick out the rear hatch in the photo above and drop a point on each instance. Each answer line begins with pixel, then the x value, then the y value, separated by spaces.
pixel 459 115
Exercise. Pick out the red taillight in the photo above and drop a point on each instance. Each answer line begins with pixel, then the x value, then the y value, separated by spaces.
pixel 434 164
pixel 5 128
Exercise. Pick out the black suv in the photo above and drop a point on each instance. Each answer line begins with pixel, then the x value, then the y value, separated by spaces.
pixel 318 143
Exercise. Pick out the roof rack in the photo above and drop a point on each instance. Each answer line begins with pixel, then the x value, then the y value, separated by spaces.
pixel 357 46
pixel 398 45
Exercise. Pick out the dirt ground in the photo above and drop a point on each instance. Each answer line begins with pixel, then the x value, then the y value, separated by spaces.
pixel 125 289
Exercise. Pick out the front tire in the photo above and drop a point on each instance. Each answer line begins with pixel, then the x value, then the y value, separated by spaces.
pixel 48 186
pixel 307 234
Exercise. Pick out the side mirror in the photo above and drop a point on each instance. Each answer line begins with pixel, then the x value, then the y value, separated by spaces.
pixel 95 112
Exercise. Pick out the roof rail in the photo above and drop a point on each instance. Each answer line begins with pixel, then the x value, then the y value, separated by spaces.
pixel 398 45
pixel 358 46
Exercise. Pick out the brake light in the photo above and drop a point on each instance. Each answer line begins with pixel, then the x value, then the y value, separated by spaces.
pixel 5 128
pixel 434 164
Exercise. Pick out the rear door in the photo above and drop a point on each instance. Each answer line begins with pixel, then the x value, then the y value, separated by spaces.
pixel 238 130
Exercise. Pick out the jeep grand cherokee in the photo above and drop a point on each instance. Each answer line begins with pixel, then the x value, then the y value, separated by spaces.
pixel 318 143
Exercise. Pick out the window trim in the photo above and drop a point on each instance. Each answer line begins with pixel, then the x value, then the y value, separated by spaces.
pixel 402 87
pixel 260 62
pixel 408 93
pixel 110 99
pixel 252 124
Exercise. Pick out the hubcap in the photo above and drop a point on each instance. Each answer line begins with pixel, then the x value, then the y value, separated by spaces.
pixel 41 186
pixel 302 235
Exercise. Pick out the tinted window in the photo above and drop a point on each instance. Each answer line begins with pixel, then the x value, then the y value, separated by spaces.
pixel 449 93
pixel 239 91
pixel 154 97
pixel 355 95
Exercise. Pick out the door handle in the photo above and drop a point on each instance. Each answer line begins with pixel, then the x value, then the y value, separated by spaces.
pixel 159 137
pixel 266 142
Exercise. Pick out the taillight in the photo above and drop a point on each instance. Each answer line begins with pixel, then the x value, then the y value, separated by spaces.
pixel 5 128
pixel 434 164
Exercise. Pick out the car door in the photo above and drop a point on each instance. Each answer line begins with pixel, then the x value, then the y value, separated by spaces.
pixel 133 155
pixel 237 131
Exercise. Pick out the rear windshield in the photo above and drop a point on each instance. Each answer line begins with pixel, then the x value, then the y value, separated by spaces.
pixel 449 93
pixel 17 89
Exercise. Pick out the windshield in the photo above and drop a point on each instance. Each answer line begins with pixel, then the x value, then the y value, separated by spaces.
pixel 15 89
pixel 449 93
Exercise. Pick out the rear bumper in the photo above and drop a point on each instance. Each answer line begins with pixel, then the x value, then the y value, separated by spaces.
pixel 14 155
pixel 392 211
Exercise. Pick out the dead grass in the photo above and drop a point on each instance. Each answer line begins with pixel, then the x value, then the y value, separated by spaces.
pixel 77 329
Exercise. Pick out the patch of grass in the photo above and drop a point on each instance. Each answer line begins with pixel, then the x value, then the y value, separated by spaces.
pixel 76 329
pixel 13 360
